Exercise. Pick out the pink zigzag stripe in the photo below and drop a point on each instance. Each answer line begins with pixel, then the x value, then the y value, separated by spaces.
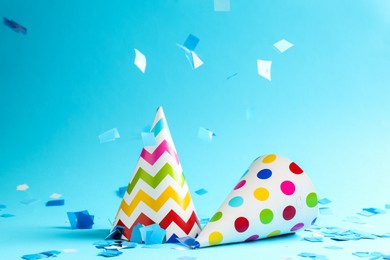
pixel 151 158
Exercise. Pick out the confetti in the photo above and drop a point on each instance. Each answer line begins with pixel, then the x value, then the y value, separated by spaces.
pixel 148 138
pixel 205 134
pixel 201 192
pixel 188 47
pixel 152 234
pixel 22 187
pixel 120 192
pixel 69 250
pixel 334 247
pixel 140 60
pixel 110 253
pixel 116 233
pixel 191 42
pixel 14 26
pixel 109 136
pixel 7 216
pixel 264 68
pixel 52 203
pixel 222 5
pixel 324 201
pixel 80 220
pixel 45 254
pixel 55 196
pixel 283 45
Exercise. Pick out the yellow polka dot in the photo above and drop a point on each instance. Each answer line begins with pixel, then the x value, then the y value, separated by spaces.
pixel 215 238
pixel 274 233
pixel 261 194
pixel 269 158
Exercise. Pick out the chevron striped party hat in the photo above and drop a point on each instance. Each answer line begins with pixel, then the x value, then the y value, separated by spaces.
pixel 157 192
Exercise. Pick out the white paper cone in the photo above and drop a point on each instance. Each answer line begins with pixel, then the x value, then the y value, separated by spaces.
pixel 274 197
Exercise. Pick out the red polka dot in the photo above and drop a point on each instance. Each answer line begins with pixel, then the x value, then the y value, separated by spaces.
pixel 240 184
pixel 241 224
pixel 251 238
pixel 289 212
pixel 287 187
pixel 294 168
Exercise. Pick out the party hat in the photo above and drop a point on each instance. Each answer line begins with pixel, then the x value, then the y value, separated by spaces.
pixel 274 197
pixel 157 192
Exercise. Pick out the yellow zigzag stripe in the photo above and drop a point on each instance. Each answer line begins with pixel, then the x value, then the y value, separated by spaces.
pixel 157 204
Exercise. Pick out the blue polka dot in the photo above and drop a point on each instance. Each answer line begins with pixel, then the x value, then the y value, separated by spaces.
pixel 236 201
pixel 264 174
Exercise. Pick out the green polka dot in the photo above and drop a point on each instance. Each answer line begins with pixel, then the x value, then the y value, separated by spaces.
pixel 217 216
pixel 266 216
pixel 311 200
pixel 215 238
pixel 274 233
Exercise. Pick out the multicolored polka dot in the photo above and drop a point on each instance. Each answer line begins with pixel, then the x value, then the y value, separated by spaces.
pixel 266 216
pixel 215 238
pixel 261 194
pixel 274 233
pixel 287 187
pixel 294 168
pixel 264 174
pixel 289 212
pixel 297 226
pixel 241 224
pixel 251 238
pixel 217 216
pixel 236 201
pixel 311 200
pixel 240 184
pixel 269 158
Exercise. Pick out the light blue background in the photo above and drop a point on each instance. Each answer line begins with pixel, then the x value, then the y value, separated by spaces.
pixel 72 77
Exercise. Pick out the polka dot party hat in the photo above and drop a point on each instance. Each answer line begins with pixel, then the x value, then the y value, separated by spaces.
pixel 274 197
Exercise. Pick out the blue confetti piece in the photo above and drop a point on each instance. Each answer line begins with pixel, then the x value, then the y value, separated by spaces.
pixel 14 26
pixel 120 192
pixel 116 233
pixel 314 239
pixel 187 241
pixel 7 215
pixel 136 234
pixel 191 42
pixel 127 244
pixel 148 139
pixel 46 254
pixel 110 253
pixel 2 206
pixel 324 201
pixel 201 192
pixel 59 202
pixel 81 219
pixel 334 247
pixel 34 256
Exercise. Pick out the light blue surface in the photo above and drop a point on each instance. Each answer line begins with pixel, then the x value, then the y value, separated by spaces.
pixel 72 78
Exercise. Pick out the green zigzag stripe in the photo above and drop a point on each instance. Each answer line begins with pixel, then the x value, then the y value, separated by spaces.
pixel 154 181
pixel 160 125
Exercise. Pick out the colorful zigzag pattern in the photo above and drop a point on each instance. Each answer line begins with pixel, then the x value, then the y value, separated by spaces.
pixel 158 192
